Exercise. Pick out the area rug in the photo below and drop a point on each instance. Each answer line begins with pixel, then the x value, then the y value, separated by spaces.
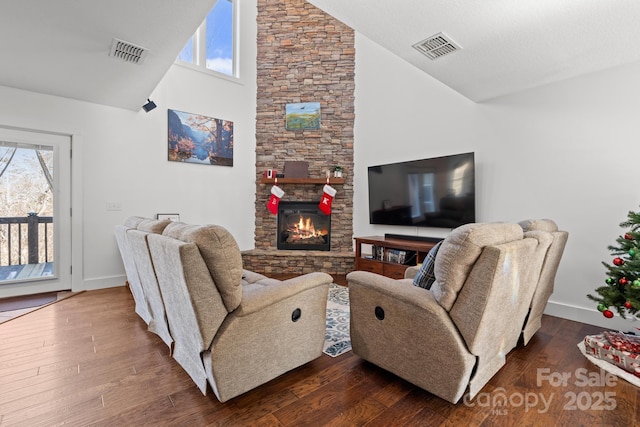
pixel 337 339
pixel 28 301
pixel 16 308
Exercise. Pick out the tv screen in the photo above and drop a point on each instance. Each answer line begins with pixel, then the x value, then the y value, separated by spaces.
pixel 435 192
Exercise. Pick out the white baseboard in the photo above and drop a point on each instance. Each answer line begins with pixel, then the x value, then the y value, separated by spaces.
pixel 591 317
pixel 102 283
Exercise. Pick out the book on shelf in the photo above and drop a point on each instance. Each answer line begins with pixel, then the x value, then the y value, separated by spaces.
pixel 377 252
pixel 395 256
pixel 399 256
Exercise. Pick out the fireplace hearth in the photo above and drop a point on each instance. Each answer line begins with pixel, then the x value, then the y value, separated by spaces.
pixel 303 226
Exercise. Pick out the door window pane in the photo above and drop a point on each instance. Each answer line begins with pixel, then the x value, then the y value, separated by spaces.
pixel 26 211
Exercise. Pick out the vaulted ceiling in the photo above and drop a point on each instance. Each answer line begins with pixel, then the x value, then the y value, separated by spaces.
pixel 61 47
pixel 506 45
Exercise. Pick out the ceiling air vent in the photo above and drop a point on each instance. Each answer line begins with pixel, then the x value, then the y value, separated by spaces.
pixel 436 46
pixel 127 51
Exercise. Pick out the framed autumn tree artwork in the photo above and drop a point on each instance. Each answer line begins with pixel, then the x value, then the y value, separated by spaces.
pixel 194 138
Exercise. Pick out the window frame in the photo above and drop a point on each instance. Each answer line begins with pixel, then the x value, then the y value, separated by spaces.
pixel 199 48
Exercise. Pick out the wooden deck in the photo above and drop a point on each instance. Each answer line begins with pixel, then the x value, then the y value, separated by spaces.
pixel 26 271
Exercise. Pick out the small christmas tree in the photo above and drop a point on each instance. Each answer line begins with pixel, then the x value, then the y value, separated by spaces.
pixel 622 290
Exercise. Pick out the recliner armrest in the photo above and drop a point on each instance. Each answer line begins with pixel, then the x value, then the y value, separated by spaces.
pixel 401 289
pixel 251 276
pixel 258 298
pixel 411 272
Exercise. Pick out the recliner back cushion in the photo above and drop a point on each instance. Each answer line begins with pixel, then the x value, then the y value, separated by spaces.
pixel 221 254
pixel 156 226
pixel 133 221
pixel 459 252
pixel 539 225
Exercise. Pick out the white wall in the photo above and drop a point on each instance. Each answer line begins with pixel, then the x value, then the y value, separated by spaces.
pixel 121 156
pixel 566 151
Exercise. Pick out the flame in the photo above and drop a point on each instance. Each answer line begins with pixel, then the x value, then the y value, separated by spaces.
pixel 305 229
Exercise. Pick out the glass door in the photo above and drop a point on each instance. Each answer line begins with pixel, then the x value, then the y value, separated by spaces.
pixel 35 215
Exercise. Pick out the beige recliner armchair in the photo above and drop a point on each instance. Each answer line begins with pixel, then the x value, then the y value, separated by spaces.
pixel 234 329
pixel 546 281
pixel 455 336
pixel 138 240
pixel 130 268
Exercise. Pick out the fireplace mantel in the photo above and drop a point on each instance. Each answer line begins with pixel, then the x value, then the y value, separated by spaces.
pixel 332 181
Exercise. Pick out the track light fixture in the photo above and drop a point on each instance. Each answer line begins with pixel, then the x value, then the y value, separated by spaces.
pixel 150 105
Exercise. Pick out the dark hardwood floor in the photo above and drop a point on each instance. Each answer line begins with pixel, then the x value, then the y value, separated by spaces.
pixel 89 360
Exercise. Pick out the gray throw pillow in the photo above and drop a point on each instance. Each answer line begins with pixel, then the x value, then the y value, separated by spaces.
pixel 426 277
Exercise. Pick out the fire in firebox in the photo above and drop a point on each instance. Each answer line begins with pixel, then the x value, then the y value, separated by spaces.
pixel 304 231
pixel 301 225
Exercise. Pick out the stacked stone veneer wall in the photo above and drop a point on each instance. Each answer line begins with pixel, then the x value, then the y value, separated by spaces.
pixel 304 55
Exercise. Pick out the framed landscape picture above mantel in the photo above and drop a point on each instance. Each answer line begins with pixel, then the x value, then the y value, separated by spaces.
pixel 303 115
pixel 194 138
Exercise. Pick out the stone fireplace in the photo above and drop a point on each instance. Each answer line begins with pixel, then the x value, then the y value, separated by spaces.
pixel 303 55
pixel 302 226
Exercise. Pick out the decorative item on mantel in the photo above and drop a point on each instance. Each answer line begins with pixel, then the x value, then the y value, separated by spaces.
pixel 296 169
pixel 337 171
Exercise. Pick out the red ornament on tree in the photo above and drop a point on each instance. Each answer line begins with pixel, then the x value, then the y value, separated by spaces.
pixel 608 314
pixel 618 261
pixel 628 236
pixel 627 304
pixel 623 281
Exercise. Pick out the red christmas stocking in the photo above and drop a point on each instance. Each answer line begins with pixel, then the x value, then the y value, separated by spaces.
pixel 274 200
pixel 327 199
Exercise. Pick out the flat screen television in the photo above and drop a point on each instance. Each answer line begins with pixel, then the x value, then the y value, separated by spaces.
pixel 435 192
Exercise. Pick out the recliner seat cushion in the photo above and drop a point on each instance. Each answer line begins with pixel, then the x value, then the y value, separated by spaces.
pixel 459 252
pixel 220 253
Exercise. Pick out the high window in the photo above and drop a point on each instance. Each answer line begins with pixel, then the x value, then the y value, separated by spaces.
pixel 212 46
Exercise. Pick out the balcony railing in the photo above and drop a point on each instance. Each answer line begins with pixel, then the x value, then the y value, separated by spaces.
pixel 26 240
